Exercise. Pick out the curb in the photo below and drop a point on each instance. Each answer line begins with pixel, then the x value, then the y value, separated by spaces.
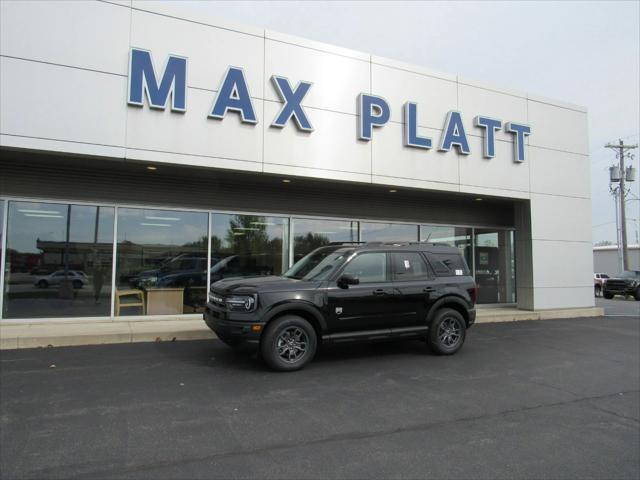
pixel 56 334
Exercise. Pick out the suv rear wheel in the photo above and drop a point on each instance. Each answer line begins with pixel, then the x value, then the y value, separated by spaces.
pixel 289 343
pixel 447 332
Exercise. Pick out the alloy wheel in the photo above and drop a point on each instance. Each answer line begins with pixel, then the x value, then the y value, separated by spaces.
pixel 292 344
pixel 449 332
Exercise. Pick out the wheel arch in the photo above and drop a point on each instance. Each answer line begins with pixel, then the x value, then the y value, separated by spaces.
pixel 451 301
pixel 300 309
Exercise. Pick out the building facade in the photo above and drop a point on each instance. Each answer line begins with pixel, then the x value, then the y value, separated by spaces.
pixel 147 152
pixel 607 259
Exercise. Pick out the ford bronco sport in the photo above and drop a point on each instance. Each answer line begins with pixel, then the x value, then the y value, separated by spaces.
pixel 348 292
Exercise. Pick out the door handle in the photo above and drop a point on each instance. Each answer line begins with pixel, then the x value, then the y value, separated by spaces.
pixel 429 290
pixel 379 291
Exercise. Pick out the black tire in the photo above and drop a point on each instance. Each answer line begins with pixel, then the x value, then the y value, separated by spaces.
pixel 77 284
pixel 43 284
pixel 607 295
pixel 281 355
pixel 598 290
pixel 447 332
pixel 636 294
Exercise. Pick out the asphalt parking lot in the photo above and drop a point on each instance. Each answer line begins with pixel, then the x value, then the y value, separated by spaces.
pixel 619 306
pixel 540 399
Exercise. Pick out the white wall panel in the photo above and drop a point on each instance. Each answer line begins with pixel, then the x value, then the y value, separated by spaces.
pixel 562 264
pixel 210 50
pixel 72 105
pixel 337 80
pixel 475 101
pixel 192 133
pixel 332 146
pixel 556 172
pixel 558 128
pixel 91 35
pixel 567 297
pixel 498 172
pixel 434 96
pixel 560 218
pixel 392 159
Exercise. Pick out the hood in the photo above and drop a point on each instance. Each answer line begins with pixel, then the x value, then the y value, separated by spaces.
pixel 262 283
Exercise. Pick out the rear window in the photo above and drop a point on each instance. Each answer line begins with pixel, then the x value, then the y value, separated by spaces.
pixel 408 266
pixel 448 264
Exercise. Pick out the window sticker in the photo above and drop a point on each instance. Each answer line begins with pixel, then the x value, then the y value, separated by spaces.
pixel 458 272
pixel 407 265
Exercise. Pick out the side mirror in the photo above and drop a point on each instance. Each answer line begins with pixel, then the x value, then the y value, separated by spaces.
pixel 345 280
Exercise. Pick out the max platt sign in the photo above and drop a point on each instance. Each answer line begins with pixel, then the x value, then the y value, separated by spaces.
pixel 373 110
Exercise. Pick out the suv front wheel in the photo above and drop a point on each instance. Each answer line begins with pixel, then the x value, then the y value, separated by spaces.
pixel 447 332
pixel 289 343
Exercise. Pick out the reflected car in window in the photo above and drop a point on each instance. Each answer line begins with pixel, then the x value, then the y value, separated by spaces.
pixel 78 279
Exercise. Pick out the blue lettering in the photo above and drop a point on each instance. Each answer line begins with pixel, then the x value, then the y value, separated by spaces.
pixel 411 138
pixel 292 99
pixel 454 134
pixel 373 111
pixel 490 127
pixel 234 95
pixel 520 131
pixel 143 81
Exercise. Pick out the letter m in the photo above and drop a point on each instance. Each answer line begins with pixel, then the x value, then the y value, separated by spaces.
pixel 143 81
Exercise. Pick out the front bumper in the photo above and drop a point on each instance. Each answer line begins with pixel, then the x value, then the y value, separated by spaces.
pixel 226 325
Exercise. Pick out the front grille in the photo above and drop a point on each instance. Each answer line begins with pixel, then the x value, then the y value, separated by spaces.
pixel 217 299
pixel 616 284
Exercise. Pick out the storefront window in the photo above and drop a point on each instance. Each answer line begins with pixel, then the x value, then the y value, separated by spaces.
pixel 161 266
pixel 58 260
pixel 388 232
pixel 495 266
pixel 459 237
pixel 247 245
pixel 309 234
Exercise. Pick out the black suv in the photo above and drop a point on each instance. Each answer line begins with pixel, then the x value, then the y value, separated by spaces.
pixel 348 292
pixel 627 284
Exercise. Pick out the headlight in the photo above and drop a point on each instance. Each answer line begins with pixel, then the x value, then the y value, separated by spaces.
pixel 241 303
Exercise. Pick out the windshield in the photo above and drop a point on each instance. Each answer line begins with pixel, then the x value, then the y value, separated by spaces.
pixel 318 264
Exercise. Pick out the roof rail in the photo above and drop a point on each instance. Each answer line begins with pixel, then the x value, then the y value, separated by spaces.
pixel 346 243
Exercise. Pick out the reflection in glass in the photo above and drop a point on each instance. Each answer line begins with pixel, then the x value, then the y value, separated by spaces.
pixel 58 260
pixel 247 245
pixel 495 266
pixel 388 232
pixel 459 237
pixel 161 265
pixel 309 234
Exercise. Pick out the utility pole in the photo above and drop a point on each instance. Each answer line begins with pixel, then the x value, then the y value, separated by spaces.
pixel 622 173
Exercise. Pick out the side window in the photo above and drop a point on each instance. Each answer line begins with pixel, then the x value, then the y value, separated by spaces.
pixel 368 267
pixel 408 266
pixel 448 264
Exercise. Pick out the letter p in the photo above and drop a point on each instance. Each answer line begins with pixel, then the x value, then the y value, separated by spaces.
pixel 373 111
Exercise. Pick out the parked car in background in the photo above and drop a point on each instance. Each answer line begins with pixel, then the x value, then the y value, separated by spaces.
pixel 627 284
pixel 78 279
pixel 599 280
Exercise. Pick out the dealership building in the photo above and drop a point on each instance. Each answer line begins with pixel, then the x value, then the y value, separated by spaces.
pixel 147 152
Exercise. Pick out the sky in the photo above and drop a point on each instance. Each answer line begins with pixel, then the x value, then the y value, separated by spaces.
pixel 586 53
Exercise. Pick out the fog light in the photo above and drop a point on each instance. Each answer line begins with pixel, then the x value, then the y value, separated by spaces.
pixel 256 328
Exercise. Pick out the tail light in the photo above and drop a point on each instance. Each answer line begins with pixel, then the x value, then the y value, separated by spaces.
pixel 473 292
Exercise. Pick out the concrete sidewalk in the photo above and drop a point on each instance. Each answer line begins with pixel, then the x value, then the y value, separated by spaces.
pixel 90 332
